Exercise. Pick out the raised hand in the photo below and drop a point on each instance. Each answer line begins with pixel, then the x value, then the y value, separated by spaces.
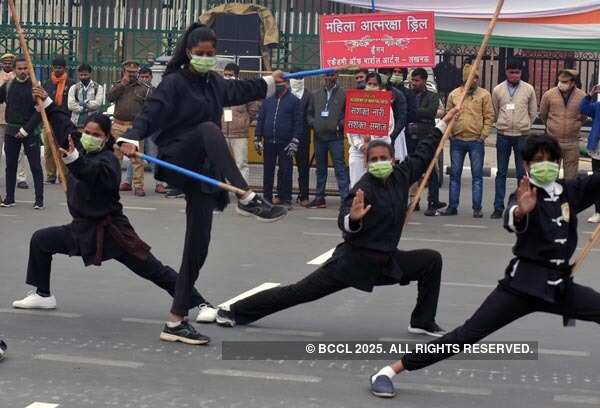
pixel 358 210
pixel 526 197
pixel 71 148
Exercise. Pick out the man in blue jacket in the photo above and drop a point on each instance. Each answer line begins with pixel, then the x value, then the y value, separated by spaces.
pixel 591 107
pixel 279 128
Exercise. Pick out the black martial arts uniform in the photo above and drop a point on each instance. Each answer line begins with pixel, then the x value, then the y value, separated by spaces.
pixel 99 231
pixel 186 111
pixel 369 255
pixel 539 278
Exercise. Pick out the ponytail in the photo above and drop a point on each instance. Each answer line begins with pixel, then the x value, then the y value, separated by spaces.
pixel 194 34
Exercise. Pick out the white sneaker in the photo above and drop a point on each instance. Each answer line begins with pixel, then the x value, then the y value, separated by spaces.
pixel 594 219
pixel 35 301
pixel 207 313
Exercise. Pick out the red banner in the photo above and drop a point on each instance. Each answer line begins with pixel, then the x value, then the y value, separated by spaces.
pixel 367 112
pixel 378 40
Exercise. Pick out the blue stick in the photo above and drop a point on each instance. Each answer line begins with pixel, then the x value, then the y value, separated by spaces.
pixel 196 176
pixel 311 72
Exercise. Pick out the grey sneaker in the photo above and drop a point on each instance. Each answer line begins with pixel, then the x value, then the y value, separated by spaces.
pixel 260 209
pixel 185 333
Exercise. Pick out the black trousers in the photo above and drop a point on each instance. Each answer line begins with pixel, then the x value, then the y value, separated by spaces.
pixel 274 154
pixel 423 266
pixel 501 308
pixel 58 240
pixel 206 142
pixel 12 148
pixel 596 169
pixel 303 164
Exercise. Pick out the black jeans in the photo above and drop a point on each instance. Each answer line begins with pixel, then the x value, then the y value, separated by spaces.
pixel 423 266
pixel 303 164
pixel 501 308
pixel 274 154
pixel 206 142
pixel 12 148
pixel 59 240
pixel 596 169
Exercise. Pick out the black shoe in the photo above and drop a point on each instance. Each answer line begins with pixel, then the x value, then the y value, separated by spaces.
pixel 174 193
pixel 185 333
pixel 51 180
pixel 3 348
pixel 449 211
pixel 23 185
pixel 7 203
pixel 39 205
pixel 260 209
pixel 382 386
pixel 439 205
pixel 431 329
pixel 497 214
pixel 431 212
pixel 225 318
pixel 477 214
pixel 317 203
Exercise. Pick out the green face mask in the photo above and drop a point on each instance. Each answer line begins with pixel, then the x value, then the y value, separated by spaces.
pixel 202 64
pixel 544 173
pixel 91 144
pixel 396 79
pixel 381 169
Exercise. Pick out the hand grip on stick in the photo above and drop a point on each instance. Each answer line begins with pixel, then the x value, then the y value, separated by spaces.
pixel 448 132
pixel 60 166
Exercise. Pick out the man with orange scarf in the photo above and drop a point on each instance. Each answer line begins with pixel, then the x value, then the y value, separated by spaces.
pixel 58 88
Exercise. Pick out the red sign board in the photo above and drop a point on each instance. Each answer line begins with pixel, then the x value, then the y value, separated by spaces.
pixel 378 40
pixel 367 112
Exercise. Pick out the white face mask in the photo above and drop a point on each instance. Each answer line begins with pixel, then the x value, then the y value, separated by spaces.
pixel 297 87
pixel 564 86
pixel 372 88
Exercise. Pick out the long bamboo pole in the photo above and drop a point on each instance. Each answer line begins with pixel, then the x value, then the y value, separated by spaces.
pixel 51 141
pixel 467 86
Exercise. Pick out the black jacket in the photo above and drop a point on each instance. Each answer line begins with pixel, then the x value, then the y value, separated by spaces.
pixel 411 103
pixel 372 249
pixel 425 112
pixel 20 107
pixel 547 237
pixel 93 199
pixel 280 119
pixel 51 89
pixel 400 109
pixel 184 100
pixel 305 103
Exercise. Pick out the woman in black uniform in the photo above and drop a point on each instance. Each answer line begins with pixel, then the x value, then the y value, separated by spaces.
pixel 538 279
pixel 99 231
pixel 186 111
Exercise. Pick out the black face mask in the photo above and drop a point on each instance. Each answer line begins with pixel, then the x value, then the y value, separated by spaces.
pixel 86 81
pixel 361 85
pixel 280 89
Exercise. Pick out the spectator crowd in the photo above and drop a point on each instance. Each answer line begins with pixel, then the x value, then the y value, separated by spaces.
pixel 296 121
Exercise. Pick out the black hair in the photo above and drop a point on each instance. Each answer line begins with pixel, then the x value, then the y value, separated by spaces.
pixel 232 66
pixel 195 33
pixel 105 124
pixel 84 68
pixel 514 64
pixel 541 143
pixel 363 71
pixel 379 143
pixel 420 72
pixel 59 61
pixel 376 76
pixel 404 72
pixel 145 70
pixel 20 58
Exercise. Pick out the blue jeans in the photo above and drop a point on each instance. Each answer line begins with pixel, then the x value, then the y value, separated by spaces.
pixel 336 148
pixel 458 151
pixel 504 146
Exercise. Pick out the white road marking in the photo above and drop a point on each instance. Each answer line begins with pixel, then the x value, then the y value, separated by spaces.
pixel 443 389
pixel 23 202
pixel 577 399
pixel 41 313
pixel 319 260
pixel 468 285
pixel 259 288
pixel 285 332
pixel 64 358
pixel 570 353
pixel 465 226
pixel 263 375
pixel 321 218
pixel 129 208
pixel 42 405
pixel 9 215
pixel 145 321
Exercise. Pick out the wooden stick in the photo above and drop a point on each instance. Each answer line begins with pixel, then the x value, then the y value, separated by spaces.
pixel 448 132
pixel 60 166
pixel 586 250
